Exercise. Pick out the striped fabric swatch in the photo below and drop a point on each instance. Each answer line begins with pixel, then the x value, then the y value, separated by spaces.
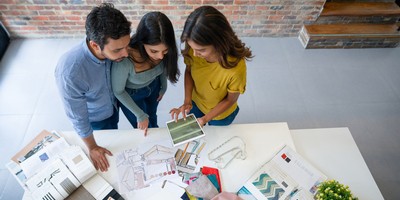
pixel 268 187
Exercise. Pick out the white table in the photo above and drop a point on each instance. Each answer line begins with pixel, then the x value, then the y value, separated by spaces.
pixel 261 139
pixel 334 152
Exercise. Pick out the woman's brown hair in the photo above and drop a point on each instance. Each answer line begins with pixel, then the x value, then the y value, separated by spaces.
pixel 208 26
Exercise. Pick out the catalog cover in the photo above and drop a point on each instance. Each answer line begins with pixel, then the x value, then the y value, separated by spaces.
pixel 286 176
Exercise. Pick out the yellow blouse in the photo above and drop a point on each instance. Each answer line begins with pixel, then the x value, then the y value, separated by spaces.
pixel 212 83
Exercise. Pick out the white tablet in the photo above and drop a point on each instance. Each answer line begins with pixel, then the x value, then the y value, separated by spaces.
pixel 184 131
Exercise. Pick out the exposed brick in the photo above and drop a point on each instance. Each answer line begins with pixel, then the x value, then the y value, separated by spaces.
pixel 46 12
pixel 35 7
pixel 262 7
pixel 29 28
pixel 79 13
pixel 16 7
pixel 86 8
pixel 154 7
pixel 76 18
pixel 8 2
pixel 56 18
pixel 191 2
pixel 244 12
pixel 52 7
pixel 37 23
pixel 177 2
pixel 144 2
pixel 248 17
pixel 27 18
pixel 275 17
pixel 276 7
pixel 40 18
pixel 40 1
pixel 19 23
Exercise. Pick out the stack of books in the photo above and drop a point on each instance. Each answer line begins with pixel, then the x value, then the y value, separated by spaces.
pixel 49 168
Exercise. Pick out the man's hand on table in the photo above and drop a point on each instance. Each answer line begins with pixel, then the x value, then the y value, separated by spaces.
pixel 97 154
pixel 100 162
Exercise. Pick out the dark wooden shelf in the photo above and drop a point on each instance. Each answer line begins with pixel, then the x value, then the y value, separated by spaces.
pixel 360 9
pixel 353 30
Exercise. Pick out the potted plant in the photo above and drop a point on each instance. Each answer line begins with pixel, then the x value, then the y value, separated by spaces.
pixel 333 190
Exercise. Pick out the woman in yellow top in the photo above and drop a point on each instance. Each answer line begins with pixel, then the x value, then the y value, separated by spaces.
pixel 215 72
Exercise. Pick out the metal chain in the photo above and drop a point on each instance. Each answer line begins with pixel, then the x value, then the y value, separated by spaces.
pixel 218 159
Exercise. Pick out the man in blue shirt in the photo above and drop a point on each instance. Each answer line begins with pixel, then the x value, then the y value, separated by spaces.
pixel 83 77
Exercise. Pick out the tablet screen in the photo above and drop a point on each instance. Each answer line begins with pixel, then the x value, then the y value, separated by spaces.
pixel 184 131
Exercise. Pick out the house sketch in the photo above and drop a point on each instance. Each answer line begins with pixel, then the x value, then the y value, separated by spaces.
pixel 139 167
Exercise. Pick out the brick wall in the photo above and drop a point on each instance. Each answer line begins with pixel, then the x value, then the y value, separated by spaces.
pixel 65 18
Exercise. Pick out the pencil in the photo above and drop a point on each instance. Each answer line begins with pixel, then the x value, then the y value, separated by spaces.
pixel 183 154
pixel 201 148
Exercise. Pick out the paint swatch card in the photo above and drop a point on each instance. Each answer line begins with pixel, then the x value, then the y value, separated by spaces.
pixel 189 159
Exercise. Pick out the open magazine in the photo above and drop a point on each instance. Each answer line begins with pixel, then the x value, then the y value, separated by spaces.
pixel 49 168
pixel 286 176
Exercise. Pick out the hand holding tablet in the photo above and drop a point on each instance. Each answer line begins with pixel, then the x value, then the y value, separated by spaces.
pixel 183 131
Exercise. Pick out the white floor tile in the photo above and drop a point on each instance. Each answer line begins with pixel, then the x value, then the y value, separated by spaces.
pixel 58 122
pixel 31 56
pixel 12 133
pixel 19 93
pixel 268 53
pixel 343 86
pixel 4 174
pixel 274 87
pixel 49 102
pixel 391 73
pixel 10 189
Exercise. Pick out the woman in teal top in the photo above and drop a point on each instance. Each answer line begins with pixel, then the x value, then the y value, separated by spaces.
pixel 140 81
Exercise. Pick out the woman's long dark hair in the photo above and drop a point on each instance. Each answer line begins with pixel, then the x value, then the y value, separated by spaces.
pixel 155 28
pixel 208 26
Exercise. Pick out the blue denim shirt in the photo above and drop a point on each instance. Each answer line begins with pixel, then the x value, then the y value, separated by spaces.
pixel 85 88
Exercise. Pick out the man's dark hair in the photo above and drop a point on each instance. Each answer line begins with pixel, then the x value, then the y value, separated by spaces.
pixel 105 21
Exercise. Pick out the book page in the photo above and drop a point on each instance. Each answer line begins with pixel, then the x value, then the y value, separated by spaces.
pixel 56 174
pixel 44 138
pixel 97 186
pixel 307 176
pixel 78 163
pixel 286 176
pixel 18 173
pixel 46 154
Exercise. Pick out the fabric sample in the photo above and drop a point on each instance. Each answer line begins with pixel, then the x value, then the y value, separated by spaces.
pixel 226 196
pixel 210 170
pixel 202 188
